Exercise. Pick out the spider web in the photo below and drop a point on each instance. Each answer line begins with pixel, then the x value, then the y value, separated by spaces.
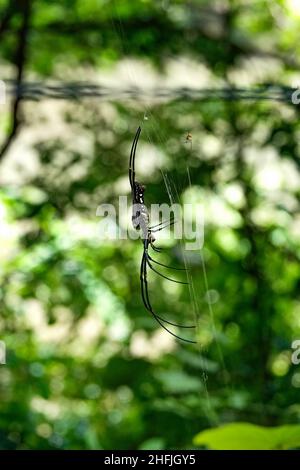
pixel 149 119
pixel 173 195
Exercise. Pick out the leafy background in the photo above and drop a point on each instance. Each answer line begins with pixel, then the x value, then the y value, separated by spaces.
pixel 87 368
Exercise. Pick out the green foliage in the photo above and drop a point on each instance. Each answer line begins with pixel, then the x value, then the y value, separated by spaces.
pixel 246 436
pixel 87 367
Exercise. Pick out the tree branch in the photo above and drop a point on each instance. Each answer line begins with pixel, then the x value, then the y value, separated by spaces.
pixel 7 16
pixel 16 118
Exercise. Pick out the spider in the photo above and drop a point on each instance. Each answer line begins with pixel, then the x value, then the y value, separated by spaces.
pixel 189 139
pixel 141 222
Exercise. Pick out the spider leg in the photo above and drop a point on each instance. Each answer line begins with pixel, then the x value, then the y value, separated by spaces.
pixel 132 158
pixel 146 304
pixel 165 265
pixel 162 223
pixel 155 248
pixel 144 290
pixel 146 294
pixel 150 306
pixel 146 301
pixel 161 228
pixel 172 222
pixel 162 275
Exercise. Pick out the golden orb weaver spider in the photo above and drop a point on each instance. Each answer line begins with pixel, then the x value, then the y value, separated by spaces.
pixel 141 222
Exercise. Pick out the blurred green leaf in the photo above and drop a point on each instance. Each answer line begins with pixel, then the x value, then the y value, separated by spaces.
pixel 246 436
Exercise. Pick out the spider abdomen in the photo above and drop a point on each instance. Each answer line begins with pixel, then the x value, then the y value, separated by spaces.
pixel 140 218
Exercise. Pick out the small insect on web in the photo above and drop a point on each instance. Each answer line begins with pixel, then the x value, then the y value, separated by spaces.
pixel 141 221
pixel 189 139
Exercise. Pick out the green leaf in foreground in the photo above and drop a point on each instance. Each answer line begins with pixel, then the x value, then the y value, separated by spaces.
pixel 245 436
